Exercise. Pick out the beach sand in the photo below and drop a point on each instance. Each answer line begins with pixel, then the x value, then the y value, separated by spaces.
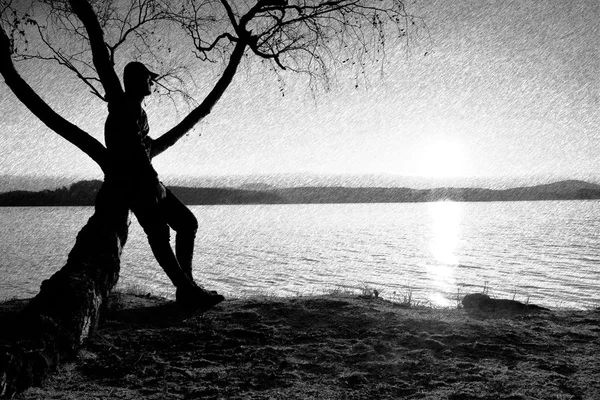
pixel 330 347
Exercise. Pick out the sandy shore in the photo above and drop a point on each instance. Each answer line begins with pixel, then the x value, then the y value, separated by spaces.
pixel 330 347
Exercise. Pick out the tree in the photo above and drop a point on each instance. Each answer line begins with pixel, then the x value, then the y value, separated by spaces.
pixel 90 39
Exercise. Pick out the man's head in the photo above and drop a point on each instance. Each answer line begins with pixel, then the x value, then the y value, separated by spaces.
pixel 138 79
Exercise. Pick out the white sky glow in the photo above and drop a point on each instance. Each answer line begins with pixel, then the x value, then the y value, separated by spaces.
pixel 491 89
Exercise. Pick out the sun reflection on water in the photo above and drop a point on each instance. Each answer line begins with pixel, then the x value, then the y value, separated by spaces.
pixel 445 229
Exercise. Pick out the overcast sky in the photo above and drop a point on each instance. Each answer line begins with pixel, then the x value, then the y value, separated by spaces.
pixel 491 88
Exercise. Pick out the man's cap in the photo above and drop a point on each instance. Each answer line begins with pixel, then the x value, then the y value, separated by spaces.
pixel 136 68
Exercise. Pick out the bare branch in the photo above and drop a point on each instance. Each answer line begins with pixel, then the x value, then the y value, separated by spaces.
pixel 65 60
pixel 200 112
pixel 312 37
pixel 101 57
pixel 43 111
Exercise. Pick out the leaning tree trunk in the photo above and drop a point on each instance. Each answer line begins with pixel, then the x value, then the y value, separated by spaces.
pixel 65 312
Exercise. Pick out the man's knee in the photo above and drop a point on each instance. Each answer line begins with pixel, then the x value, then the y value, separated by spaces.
pixel 157 232
pixel 188 227
pixel 193 225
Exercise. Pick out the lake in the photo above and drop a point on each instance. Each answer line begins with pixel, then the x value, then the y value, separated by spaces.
pixel 545 252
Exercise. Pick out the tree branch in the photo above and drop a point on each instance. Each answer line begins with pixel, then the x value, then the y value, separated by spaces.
pixel 144 17
pixel 172 136
pixel 65 61
pixel 102 61
pixel 231 16
pixel 43 111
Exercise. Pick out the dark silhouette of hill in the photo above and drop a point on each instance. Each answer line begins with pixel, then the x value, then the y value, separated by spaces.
pixel 83 194
pixel 565 190
pixel 210 196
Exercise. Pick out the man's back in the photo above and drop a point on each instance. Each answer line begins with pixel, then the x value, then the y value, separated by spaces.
pixel 129 146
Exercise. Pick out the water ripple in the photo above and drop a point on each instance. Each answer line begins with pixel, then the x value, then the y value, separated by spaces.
pixel 547 251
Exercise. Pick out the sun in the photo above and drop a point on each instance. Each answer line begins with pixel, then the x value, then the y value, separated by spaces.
pixel 443 158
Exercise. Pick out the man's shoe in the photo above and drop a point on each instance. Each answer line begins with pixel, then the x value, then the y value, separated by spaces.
pixel 197 297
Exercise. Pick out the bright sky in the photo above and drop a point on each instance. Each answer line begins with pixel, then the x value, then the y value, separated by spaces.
pixel 493 88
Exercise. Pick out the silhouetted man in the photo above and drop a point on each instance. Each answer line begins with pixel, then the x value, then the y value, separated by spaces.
pixel 134 181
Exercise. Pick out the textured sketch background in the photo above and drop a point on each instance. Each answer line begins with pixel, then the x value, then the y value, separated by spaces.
pixel 484 90
pixel 487 88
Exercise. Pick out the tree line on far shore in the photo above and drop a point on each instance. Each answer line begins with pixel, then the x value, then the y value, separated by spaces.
pixel 83 193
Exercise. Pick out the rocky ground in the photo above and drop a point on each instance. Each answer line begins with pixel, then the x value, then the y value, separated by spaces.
pixel 330 347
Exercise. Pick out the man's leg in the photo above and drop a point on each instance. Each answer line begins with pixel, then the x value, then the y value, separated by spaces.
pixel 185 224
pixel 149 216
pixel 183 221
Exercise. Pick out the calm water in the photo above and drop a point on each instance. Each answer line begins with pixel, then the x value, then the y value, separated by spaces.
pixel 544 252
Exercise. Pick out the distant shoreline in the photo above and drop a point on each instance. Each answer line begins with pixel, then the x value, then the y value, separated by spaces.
pixel 83 193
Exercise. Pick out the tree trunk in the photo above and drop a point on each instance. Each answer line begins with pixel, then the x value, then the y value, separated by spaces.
pixel 65 312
